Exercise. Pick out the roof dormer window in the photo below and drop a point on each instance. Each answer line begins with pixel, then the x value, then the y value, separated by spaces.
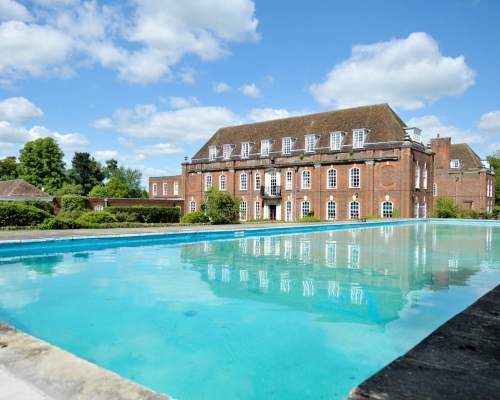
pixel 455 164
pixel 265 147
pixel 287 145
pixel 227 149
pixel 336 140
pixel 212 152
pixel 358 138
pixel 310 143
pixel 245 149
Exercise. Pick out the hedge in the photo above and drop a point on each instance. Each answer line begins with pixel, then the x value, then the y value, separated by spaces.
pixel 61 223
pixel 196 217
pixel 96 217
pixel 146 214
pixel 17 214
pixel 73 202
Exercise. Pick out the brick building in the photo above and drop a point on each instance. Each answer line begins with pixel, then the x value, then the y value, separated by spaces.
pixel 460 175
pixel 344 164
pixel 166 187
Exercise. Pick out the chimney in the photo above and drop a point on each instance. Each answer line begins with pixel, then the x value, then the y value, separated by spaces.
pixel 441 147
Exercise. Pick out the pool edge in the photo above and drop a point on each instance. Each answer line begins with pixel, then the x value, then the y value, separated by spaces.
pixel 456 361
pixel 58 374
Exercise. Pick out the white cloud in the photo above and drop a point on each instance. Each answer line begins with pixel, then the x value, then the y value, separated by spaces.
pixel 10 133
pixel 490 122
pixel 103 123
pixel 186 125
pixel 69 142
pixel 159 149
pixel 142 41
pixel 250 90
pixel 18 110
pixel 265 114
pixel 182 102
pixel 407 73
pixel 221 87
pixel 10 9
pixel 432 125
pixel 31 49
pixel 103 155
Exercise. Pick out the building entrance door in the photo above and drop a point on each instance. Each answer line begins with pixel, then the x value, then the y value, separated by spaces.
pixel 272 212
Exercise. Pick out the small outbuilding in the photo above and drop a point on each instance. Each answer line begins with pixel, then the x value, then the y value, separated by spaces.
pixel 20 190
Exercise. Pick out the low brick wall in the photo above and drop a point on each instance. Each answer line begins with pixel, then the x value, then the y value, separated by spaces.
pixel 95 201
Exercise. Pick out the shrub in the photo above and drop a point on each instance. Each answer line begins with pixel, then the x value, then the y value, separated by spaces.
pixel 222 208
pixel 197 217
pixel 371 217
pixel 445 208
pixel 73 202
pixel 96 217
pixel 146 214
pixel 17 214
pixel 69 188
pixel 74 214
pixel 496 211
pixel 99 191
pixel 61 223
pixel 47 206
pixel 310 218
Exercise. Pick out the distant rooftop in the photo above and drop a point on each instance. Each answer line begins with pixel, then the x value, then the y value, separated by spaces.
pixel 20 190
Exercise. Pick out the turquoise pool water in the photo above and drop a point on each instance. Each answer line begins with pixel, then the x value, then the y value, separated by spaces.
pixel 291 316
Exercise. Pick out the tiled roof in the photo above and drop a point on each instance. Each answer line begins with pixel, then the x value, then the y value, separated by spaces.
pixel 468 158
pixel 382 122
pixel 22 189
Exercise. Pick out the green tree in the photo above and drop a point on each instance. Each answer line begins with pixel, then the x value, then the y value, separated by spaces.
pixel 222 208
pixel 69 188
pixel 8 169
pixel 495 165
pixel 86 171
pixel 110 167
pixel 41 164
pixel 445 208
pixel 115 188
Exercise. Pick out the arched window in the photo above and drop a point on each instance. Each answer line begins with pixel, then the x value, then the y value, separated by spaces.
pixel 257 210
pixel 192 206
pixel 387 209
pixel 354 180
pixel 331 180
pixel 243 181
pixel 165 189
pixel 424 177
pixel 257 181
pixel 243 211
pixel 417 176
pixel 306 209
pixel 155 189
pixel 289 216
pixel 354 210
pixel 331 211
pixel 222 183
pixel 306 180
pixel 208 182
pixel 98 207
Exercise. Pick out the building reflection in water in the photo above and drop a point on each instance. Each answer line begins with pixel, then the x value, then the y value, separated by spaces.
pixel 368 274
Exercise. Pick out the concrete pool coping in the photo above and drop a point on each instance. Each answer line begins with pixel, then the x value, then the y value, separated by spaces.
pixel 31 369
pixel 458 361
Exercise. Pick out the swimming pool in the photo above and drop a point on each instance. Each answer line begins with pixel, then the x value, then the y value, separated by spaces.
pixel 258 314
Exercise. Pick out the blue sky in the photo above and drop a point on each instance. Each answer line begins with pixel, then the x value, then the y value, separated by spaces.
pixel 147 82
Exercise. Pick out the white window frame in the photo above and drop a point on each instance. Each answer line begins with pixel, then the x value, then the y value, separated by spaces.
pixel 243 181
pixel 212 153
pixel 257 209
pixel 336 140
pixel 257 181
pixel 310 143
pixel 331 215
pixel 384 213
pixel 265 147
pixel 223 183
pixel 358 138
pixel 417 175
pixel 309 184
pixel 243 210
pixel 245 150
pixel 288 211
pixel 288 180
pixel 424 177
pixel 302 208
pixel 286 145
pixel 352 178
pixel 455 163
pixel 154 189
pixel 98 207
pixel 434 189
pixel 176 188
pixel 331 181
pixel 227 149
pixel 358 211
pixel 165 188
pixel 192 206
pixel 208 182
